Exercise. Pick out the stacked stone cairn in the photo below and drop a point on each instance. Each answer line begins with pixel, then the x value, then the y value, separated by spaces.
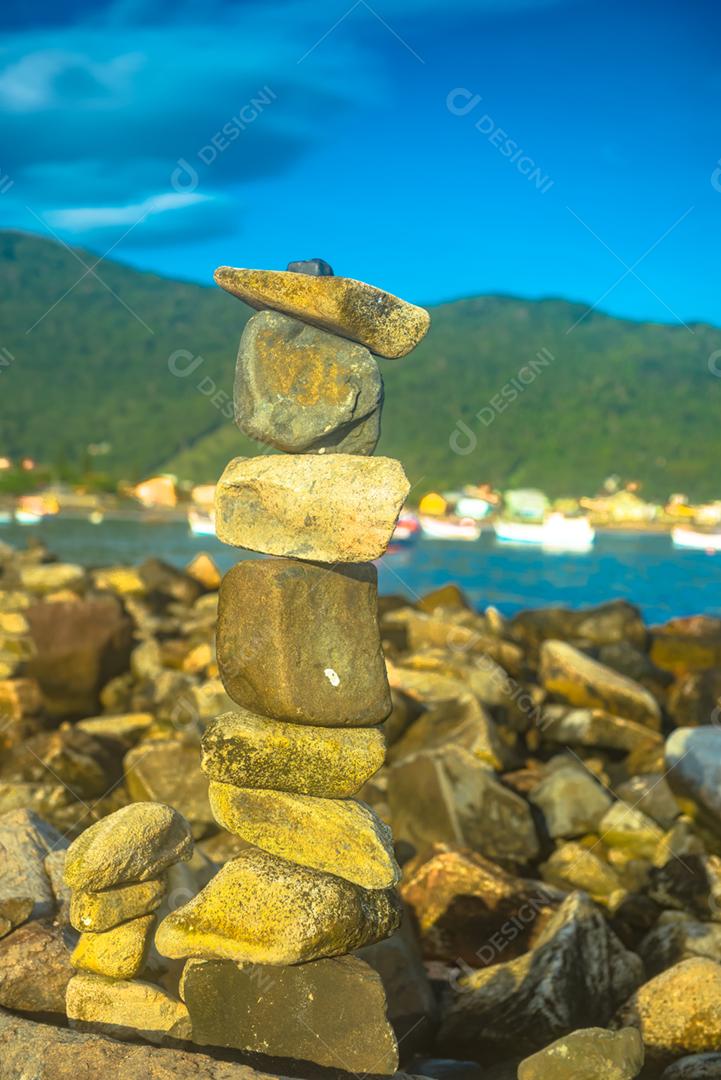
pixel 299 652
pixel 117 873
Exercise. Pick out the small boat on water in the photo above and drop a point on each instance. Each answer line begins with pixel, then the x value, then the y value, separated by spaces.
pixel 407 530
pixel 201 523
pixel 684 537
pixel 27 517
pixel 449 528
pixel 556 532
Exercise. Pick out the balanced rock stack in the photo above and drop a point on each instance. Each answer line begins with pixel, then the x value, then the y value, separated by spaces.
pixel 299 652
pixel 116 872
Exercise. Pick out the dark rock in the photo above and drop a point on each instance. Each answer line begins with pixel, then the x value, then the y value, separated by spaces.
pixel 615 621
pixel 316 267
pixel 330 1012
pixel 166 584
pixel 691 883
pixel 677 937
pixel 696 1067
pixel 302 390
pixel 80 646
pixel 35 967
pixel 330 669
pixel 468 909
pixel 577 975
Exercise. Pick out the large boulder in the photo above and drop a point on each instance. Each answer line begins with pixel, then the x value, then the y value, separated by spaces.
pixel 79 646
pixel 577 975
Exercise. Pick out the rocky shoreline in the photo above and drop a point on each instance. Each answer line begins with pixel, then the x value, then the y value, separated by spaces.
pixel 552 783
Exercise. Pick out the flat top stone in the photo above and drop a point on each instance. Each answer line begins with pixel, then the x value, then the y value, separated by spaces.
pixel 133 844
pixel 255 751
pixel 340 836
pixel 341 508
pixel 265 910
pixel 385 324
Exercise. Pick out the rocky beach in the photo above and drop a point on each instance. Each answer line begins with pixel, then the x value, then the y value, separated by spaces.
pixel 552 787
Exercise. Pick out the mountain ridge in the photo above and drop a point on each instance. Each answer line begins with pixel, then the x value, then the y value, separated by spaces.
pixel 146 363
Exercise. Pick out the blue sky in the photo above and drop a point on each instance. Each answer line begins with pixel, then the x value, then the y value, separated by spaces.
pixel 538 148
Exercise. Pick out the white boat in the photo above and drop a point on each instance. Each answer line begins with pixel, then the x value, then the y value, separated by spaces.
pixel 683 537
pixel 201 524
pixel 96 517
pixel 27 517
pixel 439 528
pixel 5 517
pixel 557 533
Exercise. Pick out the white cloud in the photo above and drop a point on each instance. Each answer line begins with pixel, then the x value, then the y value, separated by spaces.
pixel 90 218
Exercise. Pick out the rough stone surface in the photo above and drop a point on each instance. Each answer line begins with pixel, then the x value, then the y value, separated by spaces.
pixel 255 751
pixel 574 677
pixel 338 836
pixel 448 796
pixel 342 508
pixel 305 391
pixel 135 843
pixel 572 802
pixel 35 968
pixel 330 1012
pixel 693 760
pixel 677 937
pixel 25 889
pixel 695 1067
pixel 679 1011
pixel 262 909
pixel 589 1054
pixel 95 912
pixel 45 1052
pixel 300 642
pixel 577 974
pixel 461 902
pixel 126 1008
pixel 377 319
pixel 118 953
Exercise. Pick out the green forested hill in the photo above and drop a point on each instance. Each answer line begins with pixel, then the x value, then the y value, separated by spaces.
pixel 638 399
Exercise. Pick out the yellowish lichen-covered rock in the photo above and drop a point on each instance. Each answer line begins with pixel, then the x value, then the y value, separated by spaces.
pixel 135 843
pixel 679 1011
pixel 339 508
pixel 118 953
pixel 574 677
pixel 95 912
pixel 254 751
pixel 377 319
pixel 121 1008
pixel 265 910
pixel 339 836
